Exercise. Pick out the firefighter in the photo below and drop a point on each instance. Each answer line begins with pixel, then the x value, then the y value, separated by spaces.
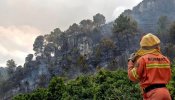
pixel 151 69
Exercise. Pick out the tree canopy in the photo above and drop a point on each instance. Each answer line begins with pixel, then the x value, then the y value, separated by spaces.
pixel 38 44
pixel 11 65
pixel 125 25
pixel 172 32
pixel 99 19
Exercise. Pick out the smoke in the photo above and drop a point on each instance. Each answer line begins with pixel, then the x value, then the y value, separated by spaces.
pixel 16 39
pixel 49 14
pixel 117 12
pixel 16 42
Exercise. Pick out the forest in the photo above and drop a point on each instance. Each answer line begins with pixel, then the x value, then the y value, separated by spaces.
pixel 104 85
pixel 82 64
pixel 88 61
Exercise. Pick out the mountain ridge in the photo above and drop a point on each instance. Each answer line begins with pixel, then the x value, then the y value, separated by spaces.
pixel 148 12
pixel 84 48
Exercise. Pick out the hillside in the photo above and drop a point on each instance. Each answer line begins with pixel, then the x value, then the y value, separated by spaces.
pixel 148 12
pixel 85 48
pixel 105 85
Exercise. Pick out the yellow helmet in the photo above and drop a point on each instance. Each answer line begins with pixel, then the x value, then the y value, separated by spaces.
pixel 149 40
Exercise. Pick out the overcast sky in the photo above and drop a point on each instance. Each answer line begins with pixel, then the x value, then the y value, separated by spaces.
pixel 22 20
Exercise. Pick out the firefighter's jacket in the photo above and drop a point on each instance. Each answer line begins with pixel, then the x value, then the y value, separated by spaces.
pixel 150 69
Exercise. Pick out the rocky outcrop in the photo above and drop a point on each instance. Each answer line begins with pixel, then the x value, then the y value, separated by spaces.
pixel 3 74
pixel 148 12
pixel 76 51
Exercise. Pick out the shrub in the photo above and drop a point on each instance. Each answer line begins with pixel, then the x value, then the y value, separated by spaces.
pixel 105 85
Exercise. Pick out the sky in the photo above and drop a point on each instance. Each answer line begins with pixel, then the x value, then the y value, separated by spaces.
pixel 21 21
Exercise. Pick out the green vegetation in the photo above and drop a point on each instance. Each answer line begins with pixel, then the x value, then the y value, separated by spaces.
pixel 172 32
pixel 171 85
pixel 11 66
pixel 124 25
pixel 124 28
pixel 83 50
pixel 163 24
pixel 105 85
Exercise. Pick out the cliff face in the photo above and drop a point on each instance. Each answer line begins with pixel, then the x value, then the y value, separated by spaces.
pixel 148 12
pixel 83 50
pixel 3 74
